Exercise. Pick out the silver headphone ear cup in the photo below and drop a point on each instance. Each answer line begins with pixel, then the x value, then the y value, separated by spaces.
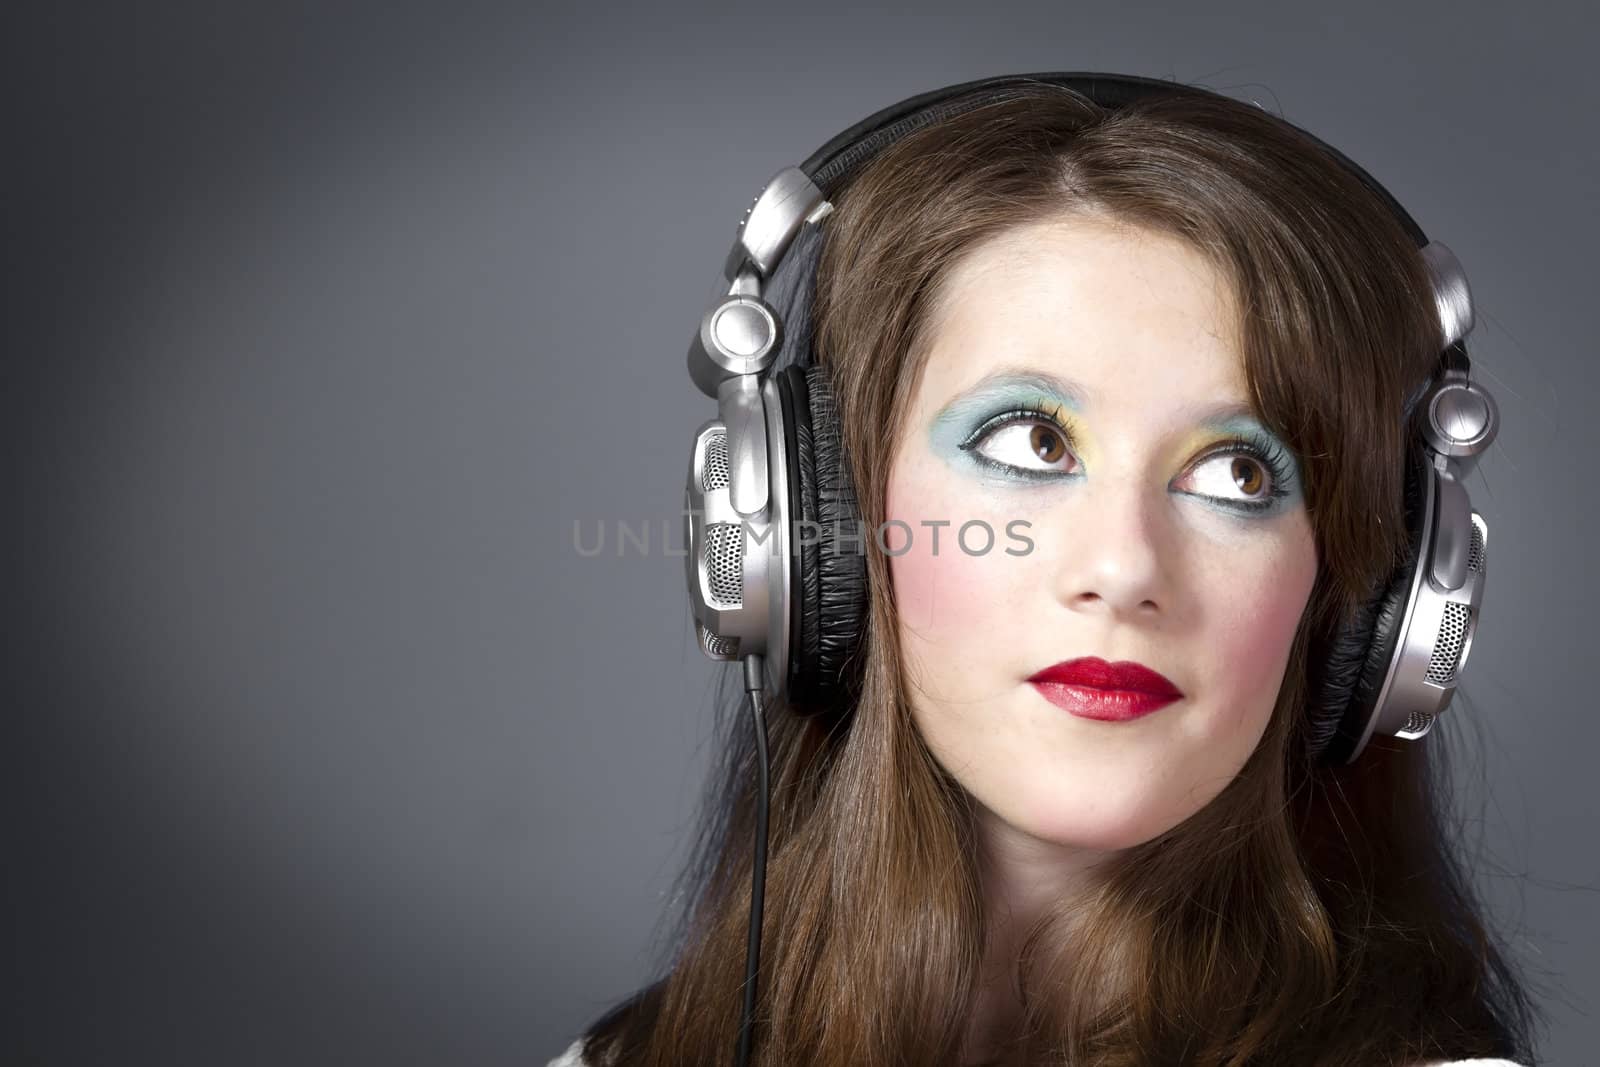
pixel 715 582
pixel 1437 619
pixel 1419 630
pixel 737 562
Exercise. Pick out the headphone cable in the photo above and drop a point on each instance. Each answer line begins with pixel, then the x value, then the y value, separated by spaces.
pixel 758 875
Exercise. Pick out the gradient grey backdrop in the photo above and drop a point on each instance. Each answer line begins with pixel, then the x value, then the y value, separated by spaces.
pixel 325 329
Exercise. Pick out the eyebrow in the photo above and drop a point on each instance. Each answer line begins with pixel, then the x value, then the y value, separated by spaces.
pixel 1077 396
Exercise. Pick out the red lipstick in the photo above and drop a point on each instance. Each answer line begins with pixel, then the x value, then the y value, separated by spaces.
pixel 1091 688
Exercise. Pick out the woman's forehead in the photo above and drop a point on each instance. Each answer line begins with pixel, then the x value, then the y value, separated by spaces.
pixel 1112 333
pixel 1090 253
pixel 1089 301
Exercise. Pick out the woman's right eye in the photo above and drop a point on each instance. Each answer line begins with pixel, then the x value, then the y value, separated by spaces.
pixel 1029 443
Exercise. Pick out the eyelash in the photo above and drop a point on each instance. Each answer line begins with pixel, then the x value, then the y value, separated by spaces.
pixel 1265 451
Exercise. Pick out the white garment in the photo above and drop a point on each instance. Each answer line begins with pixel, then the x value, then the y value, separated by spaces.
pixel 571 1058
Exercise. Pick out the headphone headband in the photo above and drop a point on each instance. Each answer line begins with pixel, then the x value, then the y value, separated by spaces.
pixel 741 335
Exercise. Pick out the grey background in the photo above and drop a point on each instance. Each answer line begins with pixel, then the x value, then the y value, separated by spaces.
pixel 324 327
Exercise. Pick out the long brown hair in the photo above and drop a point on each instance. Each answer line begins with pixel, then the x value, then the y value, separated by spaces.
pixel 1308 914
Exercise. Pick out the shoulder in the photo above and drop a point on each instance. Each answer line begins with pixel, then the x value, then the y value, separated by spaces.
pixel 573 1057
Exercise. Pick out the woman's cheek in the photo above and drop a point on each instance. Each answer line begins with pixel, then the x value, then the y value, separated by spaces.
pixel 944 593
pixel 1260 633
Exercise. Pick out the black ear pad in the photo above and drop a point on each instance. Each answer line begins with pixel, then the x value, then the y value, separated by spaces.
pixel 829 575
pixel 1358 655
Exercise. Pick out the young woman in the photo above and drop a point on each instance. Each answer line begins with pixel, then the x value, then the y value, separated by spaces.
pixel 1129 385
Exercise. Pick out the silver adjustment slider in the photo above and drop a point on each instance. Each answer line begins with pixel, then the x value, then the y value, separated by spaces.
pixel 740 335
pixel 775 216
pixel 740 409
pixel 1462 422
pixel 1452 543
pixel 1451 294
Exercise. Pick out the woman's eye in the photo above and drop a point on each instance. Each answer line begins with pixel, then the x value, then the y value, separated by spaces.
pixel 1234 476
pixel 1239 472
pixel 1029 444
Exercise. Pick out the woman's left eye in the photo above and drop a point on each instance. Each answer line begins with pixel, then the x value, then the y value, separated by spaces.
pixel 1027 444
pixel 1259 468
pixel 1238 477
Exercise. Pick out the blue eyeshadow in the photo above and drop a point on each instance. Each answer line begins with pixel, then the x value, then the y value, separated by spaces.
pixel 952 429
pixel 958 419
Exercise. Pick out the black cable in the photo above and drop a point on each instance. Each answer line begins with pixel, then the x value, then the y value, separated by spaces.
pixel 758 875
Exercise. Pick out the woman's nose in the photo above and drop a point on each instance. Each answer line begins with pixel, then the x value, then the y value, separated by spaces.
pixel 1116 549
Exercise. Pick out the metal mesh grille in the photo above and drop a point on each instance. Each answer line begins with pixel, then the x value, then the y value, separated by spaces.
pixel 715 473
pixel 1447 648
pixel 1475 550
pixel 718 645
pixel 1416 725
pixel 725 562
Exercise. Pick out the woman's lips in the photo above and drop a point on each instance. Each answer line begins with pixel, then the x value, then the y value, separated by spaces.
pixel 1091 688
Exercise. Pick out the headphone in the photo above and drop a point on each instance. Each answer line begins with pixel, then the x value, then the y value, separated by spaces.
pixel 775 561
pixel 775 552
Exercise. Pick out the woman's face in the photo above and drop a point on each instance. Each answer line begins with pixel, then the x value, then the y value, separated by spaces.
pixel 1081 382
